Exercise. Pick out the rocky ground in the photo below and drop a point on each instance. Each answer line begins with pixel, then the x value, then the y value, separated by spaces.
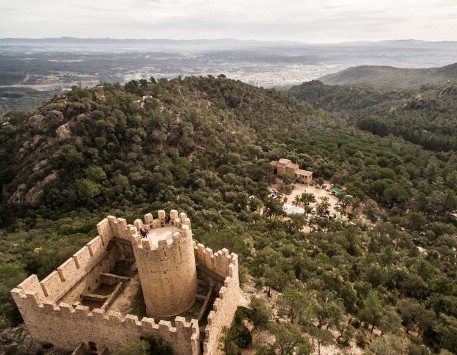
pixel 18 342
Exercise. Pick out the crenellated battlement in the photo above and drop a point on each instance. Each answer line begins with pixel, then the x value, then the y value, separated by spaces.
pixel 63 309
pixel 181 224
pixel 164 254
pixel 183 234
pixel 225 305
pixel 221 262
pixel 66 274
pixel 162 220
pixel 111 227
pixel 111 327
pixel 167 267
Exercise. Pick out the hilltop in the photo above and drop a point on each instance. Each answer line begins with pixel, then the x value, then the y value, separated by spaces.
pixel 391 77
pixel 87 143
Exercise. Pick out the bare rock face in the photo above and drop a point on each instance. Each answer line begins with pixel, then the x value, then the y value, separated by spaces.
pixel 55 116
pixel 64 131
pixel 16 196
pixel 40 165
pixel 35 192
pixel 31 195
pixel 30 145
pixel 99 97
pixel 44 119
pixel 37 121
pixel 17 341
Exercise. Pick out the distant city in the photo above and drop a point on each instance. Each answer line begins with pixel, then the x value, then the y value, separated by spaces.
pixel 51 64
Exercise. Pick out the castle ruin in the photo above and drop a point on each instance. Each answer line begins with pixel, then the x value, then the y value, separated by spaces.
pixel 189 293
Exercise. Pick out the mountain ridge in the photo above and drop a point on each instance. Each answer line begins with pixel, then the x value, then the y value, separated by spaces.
pixel 392 77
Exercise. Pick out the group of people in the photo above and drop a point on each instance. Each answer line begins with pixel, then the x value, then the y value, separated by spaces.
pixel 144 230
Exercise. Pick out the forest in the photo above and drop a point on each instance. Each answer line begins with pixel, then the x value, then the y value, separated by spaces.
pixel 385 280
pixel 392 77
pixel 424 115
pixel 16 98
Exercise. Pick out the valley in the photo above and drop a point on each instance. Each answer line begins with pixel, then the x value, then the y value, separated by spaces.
pixel 51 65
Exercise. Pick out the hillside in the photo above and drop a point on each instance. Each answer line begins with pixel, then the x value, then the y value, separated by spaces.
pixel 68 146
pixel 385 279
pixel 390 77
pixel 346 97
pixel 424 116
pixel 15 98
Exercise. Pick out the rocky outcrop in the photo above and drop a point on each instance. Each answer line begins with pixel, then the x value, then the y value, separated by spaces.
pixel 17 341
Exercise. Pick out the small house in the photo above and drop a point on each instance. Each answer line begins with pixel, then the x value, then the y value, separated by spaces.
pixel 288 169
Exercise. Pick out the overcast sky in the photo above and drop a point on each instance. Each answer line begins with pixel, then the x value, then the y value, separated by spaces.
pixel 314 21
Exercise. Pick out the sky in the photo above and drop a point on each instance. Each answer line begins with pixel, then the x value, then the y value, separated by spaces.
pixel 311 21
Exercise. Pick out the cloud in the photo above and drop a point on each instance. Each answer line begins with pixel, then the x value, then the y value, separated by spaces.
pixel 7 9
pixel 311 20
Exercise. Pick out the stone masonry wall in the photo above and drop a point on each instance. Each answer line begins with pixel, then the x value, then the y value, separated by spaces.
pixel 60 281
pixel 91 281
pixel 66 327
pixel 225 305
pixel 167 268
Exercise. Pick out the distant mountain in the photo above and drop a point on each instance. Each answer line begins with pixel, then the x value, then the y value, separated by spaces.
pixel 155 43
pixel 390 77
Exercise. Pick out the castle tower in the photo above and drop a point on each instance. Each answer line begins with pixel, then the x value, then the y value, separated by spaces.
pixel 166 264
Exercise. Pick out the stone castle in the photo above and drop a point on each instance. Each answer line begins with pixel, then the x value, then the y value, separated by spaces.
pixel 188 292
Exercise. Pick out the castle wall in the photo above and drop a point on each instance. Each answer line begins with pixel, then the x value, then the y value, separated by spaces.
pixel 226 303
pixel 91 280
pixel 95 246
pixel 104 231
pixel 52 285
pixel 59 323
pixel 32 284
pixel 60 281
pixel 66 327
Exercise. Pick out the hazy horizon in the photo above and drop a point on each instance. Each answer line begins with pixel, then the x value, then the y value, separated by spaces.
pixel 220 39
pixel 314 21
